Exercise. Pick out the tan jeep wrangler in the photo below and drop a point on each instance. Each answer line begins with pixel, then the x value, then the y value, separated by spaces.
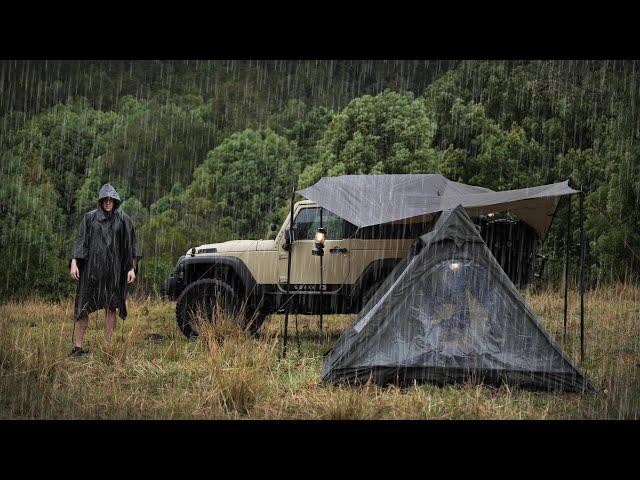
pixel 251 275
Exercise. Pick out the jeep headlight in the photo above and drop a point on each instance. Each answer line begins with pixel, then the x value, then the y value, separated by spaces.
pixel 180 268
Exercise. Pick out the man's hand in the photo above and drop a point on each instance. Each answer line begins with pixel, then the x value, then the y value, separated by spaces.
pixel 131 276
pixel 75 272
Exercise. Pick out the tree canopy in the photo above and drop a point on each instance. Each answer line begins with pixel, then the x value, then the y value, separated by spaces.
pixel 208 151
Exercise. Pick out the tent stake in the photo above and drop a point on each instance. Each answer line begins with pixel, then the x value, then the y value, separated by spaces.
pixel 582 249
pixel 566 272
pixel 286 311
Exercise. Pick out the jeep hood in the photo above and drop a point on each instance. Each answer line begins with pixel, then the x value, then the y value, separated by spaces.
pixel 235 246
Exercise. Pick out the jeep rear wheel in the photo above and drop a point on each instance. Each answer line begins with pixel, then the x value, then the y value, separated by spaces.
pixel 370 292
pixel 255 321
pixel 205 300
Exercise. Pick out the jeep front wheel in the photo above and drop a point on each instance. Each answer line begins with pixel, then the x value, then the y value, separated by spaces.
pixel 204 300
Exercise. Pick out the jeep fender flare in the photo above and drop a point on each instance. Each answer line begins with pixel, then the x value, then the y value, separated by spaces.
pixel 234 264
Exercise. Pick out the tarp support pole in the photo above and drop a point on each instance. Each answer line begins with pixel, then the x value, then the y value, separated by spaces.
pixel 566 271
pixel 582 250
pixel 286 311
pixel 297 336
pixel 321 305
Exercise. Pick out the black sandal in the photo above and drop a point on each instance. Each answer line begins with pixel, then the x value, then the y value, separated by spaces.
pixel 77 351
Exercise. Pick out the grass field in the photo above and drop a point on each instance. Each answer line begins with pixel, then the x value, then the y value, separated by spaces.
pixel 226 374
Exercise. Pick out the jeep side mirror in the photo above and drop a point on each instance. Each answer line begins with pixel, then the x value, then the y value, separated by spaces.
pixel 274 227
pixel 289 238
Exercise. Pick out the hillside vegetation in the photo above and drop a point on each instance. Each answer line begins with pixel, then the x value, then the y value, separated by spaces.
pixel 205 151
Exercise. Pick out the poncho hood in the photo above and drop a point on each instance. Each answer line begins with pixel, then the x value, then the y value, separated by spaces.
pixel 107 191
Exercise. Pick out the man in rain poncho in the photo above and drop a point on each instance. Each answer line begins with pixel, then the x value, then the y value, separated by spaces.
pixel 104 260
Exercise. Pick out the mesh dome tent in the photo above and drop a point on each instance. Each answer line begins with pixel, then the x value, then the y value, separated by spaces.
pixel 448 313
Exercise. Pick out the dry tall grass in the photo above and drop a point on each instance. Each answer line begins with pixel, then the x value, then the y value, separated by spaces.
pixel 228 374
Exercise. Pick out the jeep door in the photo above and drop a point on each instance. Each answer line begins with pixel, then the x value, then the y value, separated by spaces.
pixel 305 267
pixel 381 246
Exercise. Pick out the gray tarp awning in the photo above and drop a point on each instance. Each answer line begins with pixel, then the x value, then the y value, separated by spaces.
pixel 365 200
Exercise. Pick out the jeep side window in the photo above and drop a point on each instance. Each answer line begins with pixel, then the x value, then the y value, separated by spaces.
pixel 308 221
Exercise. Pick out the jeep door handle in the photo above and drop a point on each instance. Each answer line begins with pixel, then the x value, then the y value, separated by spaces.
pixel 338 250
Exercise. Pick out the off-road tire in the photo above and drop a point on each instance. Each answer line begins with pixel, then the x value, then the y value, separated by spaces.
pixel 200 296
pixel 254 321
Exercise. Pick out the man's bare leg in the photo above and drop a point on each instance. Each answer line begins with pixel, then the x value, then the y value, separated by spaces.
pixel 109 323
pixel 79 329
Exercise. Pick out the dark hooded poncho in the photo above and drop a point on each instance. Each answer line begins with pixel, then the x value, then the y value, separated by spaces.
pixel 105 249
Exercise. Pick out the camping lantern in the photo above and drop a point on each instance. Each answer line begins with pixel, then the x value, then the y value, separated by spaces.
pixel 319 239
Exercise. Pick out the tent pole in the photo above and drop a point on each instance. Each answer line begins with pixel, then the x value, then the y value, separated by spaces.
pixel 582 250
pixel 286 311
pixel 566 271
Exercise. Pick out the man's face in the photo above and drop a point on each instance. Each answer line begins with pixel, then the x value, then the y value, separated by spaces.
pixel 107 204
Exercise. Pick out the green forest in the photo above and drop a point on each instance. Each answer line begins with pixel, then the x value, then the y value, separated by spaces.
pixel 206 151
